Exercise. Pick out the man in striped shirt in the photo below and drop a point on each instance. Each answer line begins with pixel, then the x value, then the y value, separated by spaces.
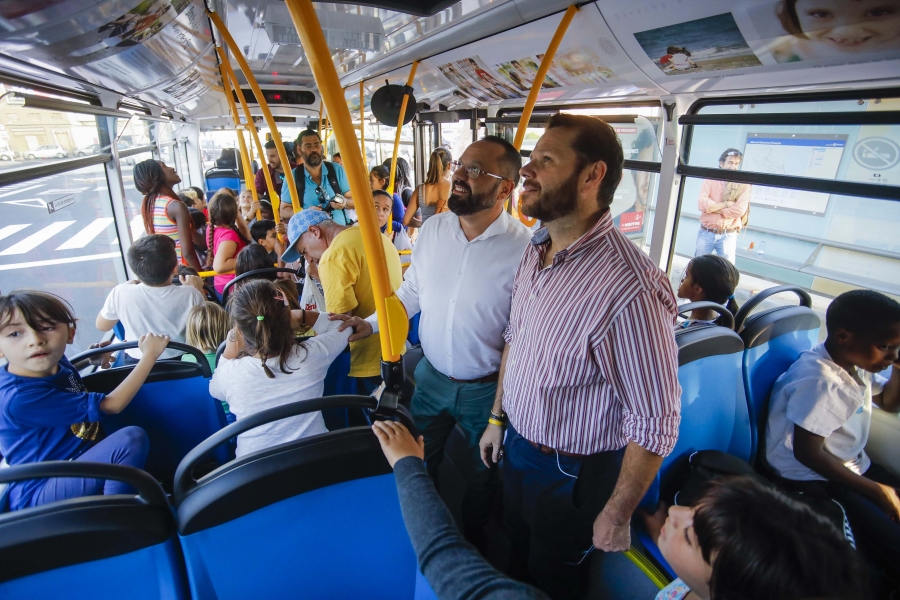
pixel 589 374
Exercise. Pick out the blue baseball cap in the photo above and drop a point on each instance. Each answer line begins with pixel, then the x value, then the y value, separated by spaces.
pixel 297 226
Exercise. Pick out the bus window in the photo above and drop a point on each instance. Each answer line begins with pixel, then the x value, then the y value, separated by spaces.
pixel 34 137
pixel 133 197
pixel 72 252
pixel 824 242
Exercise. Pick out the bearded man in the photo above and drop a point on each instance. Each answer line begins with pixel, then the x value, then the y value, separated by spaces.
pixel 461 280
pixel 318 181
pixel 589 374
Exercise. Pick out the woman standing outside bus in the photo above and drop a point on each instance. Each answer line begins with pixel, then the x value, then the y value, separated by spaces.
pixel 432 195
pixel 162 211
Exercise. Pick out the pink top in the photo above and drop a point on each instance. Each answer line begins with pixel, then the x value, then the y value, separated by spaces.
pixel 728 218
pixel 225 234
pixel 592 361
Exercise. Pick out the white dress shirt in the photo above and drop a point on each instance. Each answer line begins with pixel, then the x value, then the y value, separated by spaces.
pixel 463 290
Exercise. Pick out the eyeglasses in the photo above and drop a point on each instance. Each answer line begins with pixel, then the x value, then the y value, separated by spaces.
pixel 733 153
pixel 316 146
pixel 472 171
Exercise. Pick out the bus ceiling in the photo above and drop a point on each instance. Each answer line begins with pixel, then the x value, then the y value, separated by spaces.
pixel 471 54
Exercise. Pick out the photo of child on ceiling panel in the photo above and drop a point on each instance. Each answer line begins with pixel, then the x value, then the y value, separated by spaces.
pixel 522 72
pixel 709 44
pixel 463 84
pixel 801 30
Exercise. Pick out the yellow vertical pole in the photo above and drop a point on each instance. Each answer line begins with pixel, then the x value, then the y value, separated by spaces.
pixel 536 88
pixel 362 123
pixel 319 124
pixel 392 319
pixel 270 121
pixel 230 75
pixel 410 80
pixel 245 157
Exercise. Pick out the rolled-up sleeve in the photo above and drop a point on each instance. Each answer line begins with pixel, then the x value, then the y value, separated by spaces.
pixel 644 373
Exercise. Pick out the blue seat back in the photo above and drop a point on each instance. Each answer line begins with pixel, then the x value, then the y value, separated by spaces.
pixel 92 548
pixel 713 408
pixel 317 518
pixel 413 335
pixel 219 178
pixel 773 339
pixel 173 407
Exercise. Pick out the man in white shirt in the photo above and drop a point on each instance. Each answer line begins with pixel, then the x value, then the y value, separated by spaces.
pixel 152 305
pixel 821 411
pixel 461 280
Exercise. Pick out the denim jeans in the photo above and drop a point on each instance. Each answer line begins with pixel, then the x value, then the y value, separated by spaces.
pixel 724 244
pixel 550 502
pixel 440 404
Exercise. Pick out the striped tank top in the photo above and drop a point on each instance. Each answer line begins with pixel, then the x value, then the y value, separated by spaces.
pixel 163 225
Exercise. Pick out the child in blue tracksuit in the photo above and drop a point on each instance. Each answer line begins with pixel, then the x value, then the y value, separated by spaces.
pixel 46 413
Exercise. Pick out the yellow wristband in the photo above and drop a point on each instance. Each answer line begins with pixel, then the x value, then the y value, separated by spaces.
pixel 496 422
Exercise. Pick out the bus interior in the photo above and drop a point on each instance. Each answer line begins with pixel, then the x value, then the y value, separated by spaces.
pixel 91 88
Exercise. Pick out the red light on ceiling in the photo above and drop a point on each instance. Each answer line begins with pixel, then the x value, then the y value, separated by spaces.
pixel 274 73
pixel 277 97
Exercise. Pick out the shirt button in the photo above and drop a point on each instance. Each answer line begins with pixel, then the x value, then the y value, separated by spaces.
pixel 531 297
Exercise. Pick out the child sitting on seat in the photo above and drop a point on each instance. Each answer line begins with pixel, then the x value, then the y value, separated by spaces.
pixel 708 278
pixel 153 304
pixel 820 413
pixel 226 235
pixel 207 326
pixel 254 258
pixel 265 233
pixel 45 411
pixel 264 367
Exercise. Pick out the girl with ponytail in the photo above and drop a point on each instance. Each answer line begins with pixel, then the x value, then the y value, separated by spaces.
pixel 162 211
pixel 709 278
pixel 264 367
pixel 431 196
pixel 226 235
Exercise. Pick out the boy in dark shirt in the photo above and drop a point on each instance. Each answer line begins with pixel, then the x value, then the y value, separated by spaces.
pixel 45 411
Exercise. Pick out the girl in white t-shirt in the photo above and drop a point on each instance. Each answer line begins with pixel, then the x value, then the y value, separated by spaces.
pixel 263 367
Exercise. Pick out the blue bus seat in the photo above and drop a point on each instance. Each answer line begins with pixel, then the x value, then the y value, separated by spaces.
pixel 316 518
pixel 94 547
pixel 773 340
pixel 413 335
pixel 713 408
pixel 4 489
pixel 219 178
pixel 173 406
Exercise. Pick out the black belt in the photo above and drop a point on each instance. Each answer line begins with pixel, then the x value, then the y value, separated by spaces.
pixel 492 378
pixel 720 231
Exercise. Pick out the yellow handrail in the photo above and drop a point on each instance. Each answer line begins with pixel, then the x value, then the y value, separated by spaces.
pixel 410 80
pixel 230 75
pixel 245 157
pixel 270 121
pixel 362 123
pixel 392 319
pixel 536 90
pixel 647 568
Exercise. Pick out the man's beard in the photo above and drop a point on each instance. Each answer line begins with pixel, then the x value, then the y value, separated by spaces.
pixel 473 203
pixel 555 203
pixel 313 159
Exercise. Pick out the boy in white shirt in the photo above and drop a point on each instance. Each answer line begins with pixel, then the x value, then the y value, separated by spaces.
pixel 821 411
pixel 153 303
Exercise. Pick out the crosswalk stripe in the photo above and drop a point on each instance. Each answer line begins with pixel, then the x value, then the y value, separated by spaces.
pixel 60 261
pixel 11 229
pixel 83 237
pixel 33 187
pixel 36 239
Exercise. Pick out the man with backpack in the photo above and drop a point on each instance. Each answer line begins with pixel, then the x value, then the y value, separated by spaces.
pixel 318 182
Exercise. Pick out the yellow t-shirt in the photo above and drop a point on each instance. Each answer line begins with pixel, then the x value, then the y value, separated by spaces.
pixel 345 279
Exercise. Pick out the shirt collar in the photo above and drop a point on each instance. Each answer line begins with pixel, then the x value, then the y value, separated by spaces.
pixel 838 369
pixel 586 242
pixel 497 227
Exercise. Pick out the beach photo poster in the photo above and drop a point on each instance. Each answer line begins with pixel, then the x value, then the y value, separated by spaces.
pixel 710 44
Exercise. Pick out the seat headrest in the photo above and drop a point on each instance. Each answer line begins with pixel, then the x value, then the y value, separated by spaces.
pixel 767 325
pixel 702 341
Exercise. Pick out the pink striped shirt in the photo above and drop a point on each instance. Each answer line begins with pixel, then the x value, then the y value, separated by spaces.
pixel 592 359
